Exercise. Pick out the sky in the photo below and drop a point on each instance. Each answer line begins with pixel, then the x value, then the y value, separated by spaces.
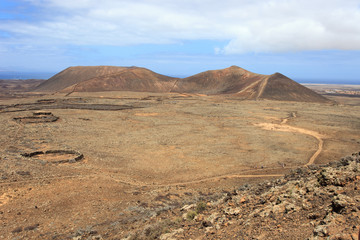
pixel 302 39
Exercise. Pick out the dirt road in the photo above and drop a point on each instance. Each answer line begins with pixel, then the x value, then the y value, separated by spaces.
pixel 287 128
pixel 132 182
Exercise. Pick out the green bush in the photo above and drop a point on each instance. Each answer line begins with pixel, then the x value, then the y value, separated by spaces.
pixel 200 207
pixel 191 215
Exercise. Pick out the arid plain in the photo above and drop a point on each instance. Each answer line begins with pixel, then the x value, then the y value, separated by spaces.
pixel 146 152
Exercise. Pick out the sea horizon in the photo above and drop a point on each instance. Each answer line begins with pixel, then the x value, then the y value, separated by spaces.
pixel 12 75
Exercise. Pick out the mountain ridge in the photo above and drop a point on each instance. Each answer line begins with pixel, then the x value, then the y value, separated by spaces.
pixel 233 80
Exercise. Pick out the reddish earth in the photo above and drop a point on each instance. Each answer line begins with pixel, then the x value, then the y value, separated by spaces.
pixel 248 85
pixel 129 79
pixel 18 88
pixel 74 75
pixel 217 160
pixel 189 165
pixel 233 80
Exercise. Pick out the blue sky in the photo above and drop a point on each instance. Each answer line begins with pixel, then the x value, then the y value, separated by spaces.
pixel 316 40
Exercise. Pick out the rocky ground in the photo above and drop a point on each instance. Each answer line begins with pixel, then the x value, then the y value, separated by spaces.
pixel 315 202
pixel 175 167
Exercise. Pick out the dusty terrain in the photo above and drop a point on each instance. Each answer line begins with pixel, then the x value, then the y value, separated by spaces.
pixel 334 88
pixel 343 94
pixel 313 202
pixel 147 155
pixel 16 88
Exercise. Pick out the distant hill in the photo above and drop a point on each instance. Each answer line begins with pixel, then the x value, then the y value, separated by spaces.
pixel 19 85
pixel 280 87
pixel 74 75
pixel 129 79
pixel 240 82
pixel 233 80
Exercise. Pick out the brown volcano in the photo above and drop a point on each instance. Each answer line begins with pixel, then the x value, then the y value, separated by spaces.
pixel 74 75
pixel 233 80
pixel 280 87
pixel 129 79
pixel 246 84
pixel 230 80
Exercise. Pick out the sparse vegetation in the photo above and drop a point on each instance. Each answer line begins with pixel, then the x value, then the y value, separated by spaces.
pixel 154 231
pixel 200 207
pixel 129 179
pixel 191 215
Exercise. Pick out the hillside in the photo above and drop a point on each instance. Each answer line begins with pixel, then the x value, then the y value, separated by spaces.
pixel 234 80
pixel 74 75
pixel 130 79
pixel 17 88
pixel 245 84
pixel 225 81
pixel 19 85
pixel 280 87
pixel 138 165
pixel 315 202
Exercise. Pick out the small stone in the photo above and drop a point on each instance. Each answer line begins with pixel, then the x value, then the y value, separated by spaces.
pixel 339 203
pixel 98 237
pixel 17 230
pixel 313 215
pixel 341 237
pixel 213 217
pixel 210 230
pixel 171 236
pixel 278 209
pixel 199 218
pixel 206 224
pixel 232 211
pixel 355 236
pixel 32 227
pixel 290 208
pixel 306 205
pixel 242 200
pixel 321 231
pixel 187 207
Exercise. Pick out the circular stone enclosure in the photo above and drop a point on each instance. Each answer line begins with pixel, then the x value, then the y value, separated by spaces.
pixel 38 117
pixel 56 156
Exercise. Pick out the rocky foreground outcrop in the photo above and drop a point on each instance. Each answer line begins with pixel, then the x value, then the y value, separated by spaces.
pixel 315 202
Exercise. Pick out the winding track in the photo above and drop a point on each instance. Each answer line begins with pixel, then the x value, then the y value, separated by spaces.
pixel 286 128
pixel 267 126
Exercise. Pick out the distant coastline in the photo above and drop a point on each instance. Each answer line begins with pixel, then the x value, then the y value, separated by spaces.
pixel 25 75
pixel 326 81
pixel 8 75
pixel 331 84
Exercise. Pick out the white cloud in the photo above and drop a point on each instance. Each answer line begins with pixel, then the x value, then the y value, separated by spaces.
pixel 249 26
